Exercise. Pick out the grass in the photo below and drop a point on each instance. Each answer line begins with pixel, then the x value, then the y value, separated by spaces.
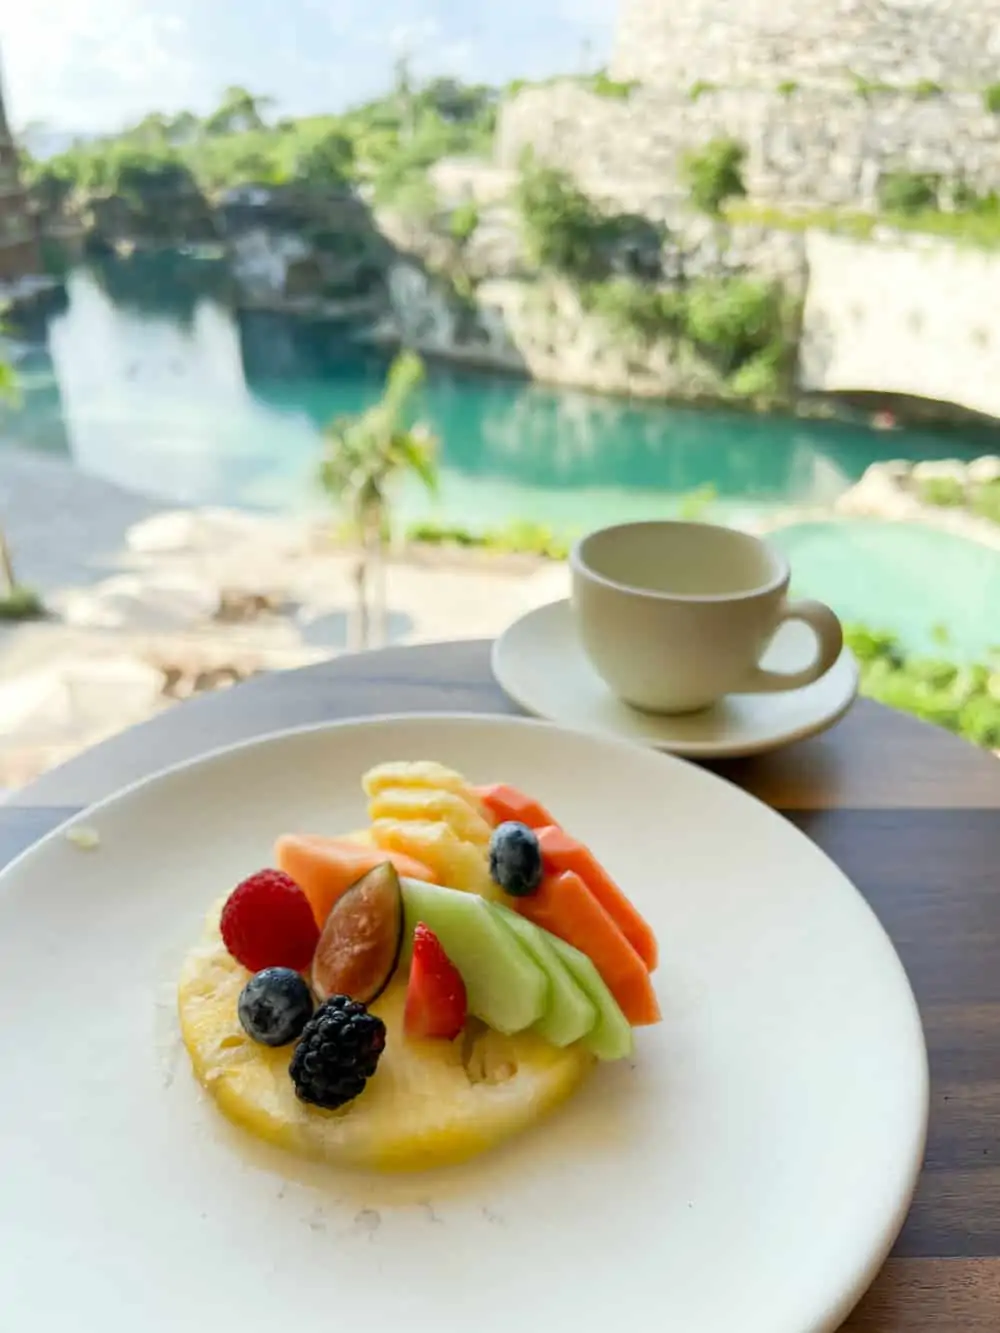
pixel 980 230
pixel 516 538
pixel 21 603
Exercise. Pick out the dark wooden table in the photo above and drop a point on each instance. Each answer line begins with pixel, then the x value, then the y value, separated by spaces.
pixel 910 813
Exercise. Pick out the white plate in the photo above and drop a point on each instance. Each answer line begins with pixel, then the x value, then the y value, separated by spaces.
pixel 539 662
pixel 746 1173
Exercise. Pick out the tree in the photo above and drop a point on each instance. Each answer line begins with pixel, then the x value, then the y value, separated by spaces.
pixel 238 110
pixel 366 456
pixel 16 601
pixel 327 160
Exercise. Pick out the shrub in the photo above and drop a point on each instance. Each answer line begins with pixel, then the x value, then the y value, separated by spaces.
pixel 714 174
pixel 638 308
pixel 699 89
pixel 909 192
pixel 787 87
pixel 21 603
pixel 733 320
pixel 924 89
pixel 991 98
pixel 463 221
pixel 562 227
pixel 602 86
pixel 946 492
pixel 964 699
pixel 986 501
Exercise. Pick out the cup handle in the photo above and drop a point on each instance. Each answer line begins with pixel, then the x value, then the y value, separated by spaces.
pixel 829 641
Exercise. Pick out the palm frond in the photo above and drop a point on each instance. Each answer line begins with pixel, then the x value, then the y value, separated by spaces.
pixel 406 374
pixel 9 392
pixel 416 451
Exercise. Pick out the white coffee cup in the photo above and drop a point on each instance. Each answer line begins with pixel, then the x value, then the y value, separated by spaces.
pixel 675 615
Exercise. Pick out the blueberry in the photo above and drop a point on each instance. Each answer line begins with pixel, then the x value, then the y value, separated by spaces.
pixel 274 1006
pixel 515 859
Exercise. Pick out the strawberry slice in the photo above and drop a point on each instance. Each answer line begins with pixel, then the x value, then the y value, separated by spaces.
pixel 435 997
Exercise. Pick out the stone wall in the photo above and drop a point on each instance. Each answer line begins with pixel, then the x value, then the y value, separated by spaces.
pixel 813 147
pixel 908 318
pixel 674 43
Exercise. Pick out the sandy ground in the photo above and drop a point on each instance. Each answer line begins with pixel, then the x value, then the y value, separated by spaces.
pixel 149 605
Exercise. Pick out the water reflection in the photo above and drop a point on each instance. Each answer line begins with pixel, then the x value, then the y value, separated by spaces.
pixel 151 379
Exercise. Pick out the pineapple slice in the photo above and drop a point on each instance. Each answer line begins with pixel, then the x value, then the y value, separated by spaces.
pixel 433 814
pixel 428 1104
pixel 421 773
pixel 433 804
pixel 455 862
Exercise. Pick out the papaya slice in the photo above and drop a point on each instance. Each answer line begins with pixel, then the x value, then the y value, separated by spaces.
pixel 504 803
pixel 325 868
pixel 565 906
pixel 561 851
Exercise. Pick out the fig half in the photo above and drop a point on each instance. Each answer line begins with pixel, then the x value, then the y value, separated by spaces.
pixel 359 947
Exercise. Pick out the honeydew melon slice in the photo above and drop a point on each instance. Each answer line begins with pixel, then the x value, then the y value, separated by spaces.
pixel 570 1013
pixel 504 985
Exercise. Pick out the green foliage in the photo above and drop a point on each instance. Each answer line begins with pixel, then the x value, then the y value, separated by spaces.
pixel 947 492
pixel 982 499
pixel 238 111
pixel 787 88
pixel 21 603
pixel 367 454
pixel 602 86
pixel 736 320
pixel 976 225
pixel 868 88
pixel 699 88
pixel 694 506
pixel 738 323
pixel 10 394
pixel 521 537
pixel 924 89
pixel 714 174
pixel 991 98
pixel 327 160
pixel 562 227
pixel 985 501
pixel 390 142
pixel 909 192
pixel 463 221
pixel 638 308
pixel 963 698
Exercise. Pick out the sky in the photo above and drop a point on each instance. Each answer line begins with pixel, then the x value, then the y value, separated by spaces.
pixel 90 65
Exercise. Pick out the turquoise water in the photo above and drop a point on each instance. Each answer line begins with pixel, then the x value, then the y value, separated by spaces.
pixel 149 380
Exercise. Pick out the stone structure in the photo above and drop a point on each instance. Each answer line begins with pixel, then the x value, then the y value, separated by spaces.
pixel 813 146
pixel 827 98
pixel 19 250
pixel 676 43
pixel 913 318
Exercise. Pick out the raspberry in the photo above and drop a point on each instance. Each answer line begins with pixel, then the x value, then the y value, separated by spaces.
pixel 267 922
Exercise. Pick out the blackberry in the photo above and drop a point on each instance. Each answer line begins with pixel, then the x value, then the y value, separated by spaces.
pixel 515 859
pixel 337 1054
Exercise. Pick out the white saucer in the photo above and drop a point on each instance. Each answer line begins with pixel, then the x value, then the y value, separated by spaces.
pixel 539 662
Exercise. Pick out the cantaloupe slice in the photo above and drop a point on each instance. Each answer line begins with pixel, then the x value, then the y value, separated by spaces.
pixel 504 802
pixel 325 868
pixel 564 905
pixel 561 852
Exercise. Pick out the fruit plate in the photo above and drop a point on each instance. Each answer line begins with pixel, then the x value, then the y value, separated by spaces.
pixel 748 1168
